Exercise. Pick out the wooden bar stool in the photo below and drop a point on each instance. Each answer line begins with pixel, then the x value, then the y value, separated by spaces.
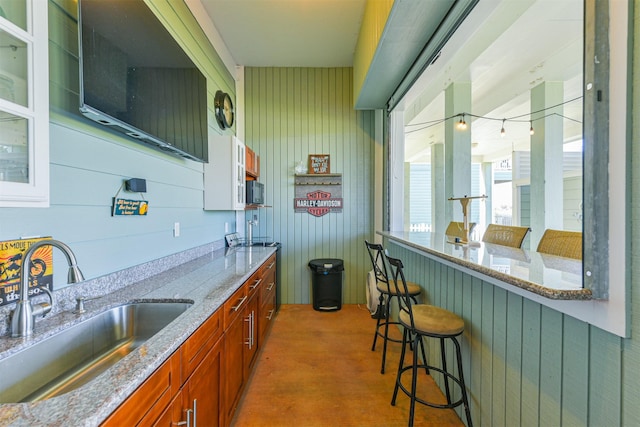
pixel 562 243
pixel 424 320
pixel 505 235
pixel 388 291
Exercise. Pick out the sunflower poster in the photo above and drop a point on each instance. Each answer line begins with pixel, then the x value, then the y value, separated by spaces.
pixel 41 268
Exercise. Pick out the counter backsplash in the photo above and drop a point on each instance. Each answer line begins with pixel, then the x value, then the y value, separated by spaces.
pixel 65 298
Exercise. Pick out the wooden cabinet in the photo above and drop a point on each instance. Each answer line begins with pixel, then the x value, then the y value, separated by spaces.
pixel 151 399
pixel 252 164
pixel 204 379
pixel 251 334
pixel 224 174
pixel 202 392
pixel 198 402
pixel 234 334
pixel 241 342
pixel 170 417
pixel 195 349
pixel 190 377
pixel 267 308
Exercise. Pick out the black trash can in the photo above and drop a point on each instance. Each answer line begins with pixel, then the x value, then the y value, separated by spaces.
pixel 326 282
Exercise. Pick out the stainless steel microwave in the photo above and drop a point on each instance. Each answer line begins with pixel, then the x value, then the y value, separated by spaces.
pixel 255 193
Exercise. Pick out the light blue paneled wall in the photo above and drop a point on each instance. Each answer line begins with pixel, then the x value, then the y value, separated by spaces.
pixel 294 112
pixel 89 164
pixel 526 364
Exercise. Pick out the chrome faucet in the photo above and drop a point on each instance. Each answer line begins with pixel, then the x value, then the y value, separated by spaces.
pixel 250 225
pixel 24 315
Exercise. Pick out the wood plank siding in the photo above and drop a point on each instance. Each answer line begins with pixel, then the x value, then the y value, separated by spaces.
pixel 526 364
pixel 294 112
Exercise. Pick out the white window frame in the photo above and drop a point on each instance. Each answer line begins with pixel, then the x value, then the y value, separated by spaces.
pixel 35 193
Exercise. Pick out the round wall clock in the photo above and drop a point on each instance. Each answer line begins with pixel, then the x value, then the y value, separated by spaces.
pixel 223 109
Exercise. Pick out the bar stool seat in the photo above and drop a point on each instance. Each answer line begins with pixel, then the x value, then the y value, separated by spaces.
pixel 429 321
pixel 433 320
pixel 392 288
pixel 388 290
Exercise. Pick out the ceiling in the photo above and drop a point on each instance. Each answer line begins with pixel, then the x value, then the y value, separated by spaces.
pixel 504 48
pixel 288 33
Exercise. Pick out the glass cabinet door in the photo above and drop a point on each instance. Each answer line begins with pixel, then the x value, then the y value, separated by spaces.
pixel 24 103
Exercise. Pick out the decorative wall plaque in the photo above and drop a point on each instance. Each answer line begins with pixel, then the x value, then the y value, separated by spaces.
pixel 129 207
pixel 319 164
pixel 318 194
pixel 41 268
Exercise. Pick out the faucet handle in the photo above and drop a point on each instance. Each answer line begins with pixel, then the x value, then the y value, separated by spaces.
pixel 45 307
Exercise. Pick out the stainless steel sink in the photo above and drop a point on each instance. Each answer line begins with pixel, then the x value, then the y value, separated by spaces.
pixel 74 356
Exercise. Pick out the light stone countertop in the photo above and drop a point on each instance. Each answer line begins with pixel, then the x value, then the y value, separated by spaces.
pixel 549 276
pixel 208 281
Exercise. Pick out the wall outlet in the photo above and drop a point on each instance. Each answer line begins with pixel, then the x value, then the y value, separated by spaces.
pixel 226 228
pixel 176 229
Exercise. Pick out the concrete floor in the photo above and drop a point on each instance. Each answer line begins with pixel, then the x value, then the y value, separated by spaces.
pixel 317 369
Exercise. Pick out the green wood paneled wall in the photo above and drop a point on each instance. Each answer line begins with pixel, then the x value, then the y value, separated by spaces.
pixel 89 164
pixel 294 112
pixel 526 364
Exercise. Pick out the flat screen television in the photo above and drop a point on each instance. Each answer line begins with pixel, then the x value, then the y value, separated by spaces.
pixel 136 79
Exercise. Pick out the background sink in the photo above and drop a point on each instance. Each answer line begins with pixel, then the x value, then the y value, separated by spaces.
pixel 74 356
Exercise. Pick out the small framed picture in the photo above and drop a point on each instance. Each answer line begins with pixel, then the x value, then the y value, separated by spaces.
pixel 319 164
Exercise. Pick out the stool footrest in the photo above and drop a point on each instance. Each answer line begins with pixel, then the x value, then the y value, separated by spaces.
pixel 421 400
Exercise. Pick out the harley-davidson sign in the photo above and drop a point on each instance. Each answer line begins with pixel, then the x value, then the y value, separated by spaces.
pixel 318 203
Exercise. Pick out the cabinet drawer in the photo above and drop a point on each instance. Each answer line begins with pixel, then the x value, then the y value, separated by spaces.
pixel 200 342
pixel 268 287
pixel 254 283
pixel 234 305
pixel 269 265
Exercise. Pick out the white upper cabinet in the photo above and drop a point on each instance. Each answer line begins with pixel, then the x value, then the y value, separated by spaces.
pixel 24 104
pixel 224 175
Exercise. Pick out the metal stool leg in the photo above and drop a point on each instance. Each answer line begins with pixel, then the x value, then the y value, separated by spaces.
pixel 375 336
pixel 385 339
pixel 424 356
pixel 465 400
pixel 444 368
pixel 405 337
pixel 414 380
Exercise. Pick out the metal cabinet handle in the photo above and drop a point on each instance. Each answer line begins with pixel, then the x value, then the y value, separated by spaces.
pixel 271 265
pixel 255 285
pixel 188 422
pixel 195 417
pixel 237 307
pixel 250 341
pixel 271 285
pixel 270 314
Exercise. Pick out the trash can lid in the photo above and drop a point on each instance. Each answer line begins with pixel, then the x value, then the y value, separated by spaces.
pixel 323 264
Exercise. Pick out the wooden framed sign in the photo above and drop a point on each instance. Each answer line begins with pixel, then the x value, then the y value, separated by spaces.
pixel 319 164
